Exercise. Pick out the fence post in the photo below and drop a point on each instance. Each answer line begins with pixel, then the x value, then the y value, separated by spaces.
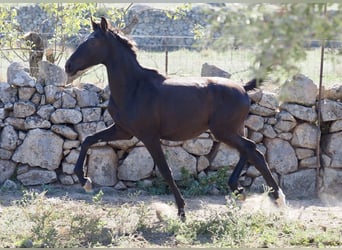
pixel 318 147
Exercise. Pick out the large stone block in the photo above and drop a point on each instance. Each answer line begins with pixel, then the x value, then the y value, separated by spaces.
pixel 300 89
pixel 102 166
pixel 300 185
pixel 281 156
pixel 41 148
pixel 136 166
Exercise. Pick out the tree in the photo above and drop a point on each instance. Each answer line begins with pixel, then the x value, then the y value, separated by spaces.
pixel 277 33
pixel 67 19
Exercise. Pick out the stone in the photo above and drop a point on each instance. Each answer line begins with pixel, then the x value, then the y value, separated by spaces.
pixel 255 95
pixel 51 74
pixel 212 70
pixel 198 146
pixel 89 128
pixel 285 121
pixel 136 166
pixel 66 179
pixel 268 131
pixel 331 145
pixel 45 111
pixel 259 184
pixel 336 126
pixel 5 154
pixel 86 98
pixel 300 89
pixel 9 138
pixel 23 169
pixel 226 156
pixel 18 76
pixel 71 116
pixel 25 93
pixel 33 122
pixel 331 110
pixel 3 113
pixel 202 163
pixel 310 162
pixel 68 100
pixel 120 186
pixel 9 185
pixel 261 110
pixel 171 143
pixel 68 168
pixel 23 109
pixel 17 123
pixel 64 131
pixel 69 144
pixel 91 114
pixel 285 136
pixel 300 185
pixel 256 136
pixel 72 156
pixel 124 144
pixel 305 136
pixel 269 100
pixel 301 112
pixel 252 171
pixel 51 93
pixel 177 159
pixel 332 183
pixel 281 156
pixel 102 166
pixel 333 93
pixel 37 177
pixel 7 169
pixel 254 122
pixel 326 161
pixel 36 98
pixel 40 148
pixel 303 153
pixel 8 94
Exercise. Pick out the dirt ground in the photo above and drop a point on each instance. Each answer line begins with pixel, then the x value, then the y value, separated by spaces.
pixel 323 212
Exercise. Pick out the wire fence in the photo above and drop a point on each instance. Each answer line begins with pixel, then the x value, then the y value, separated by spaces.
pixel 175 58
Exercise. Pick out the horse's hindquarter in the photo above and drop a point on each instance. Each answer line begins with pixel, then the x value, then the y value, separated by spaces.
pixel 187 105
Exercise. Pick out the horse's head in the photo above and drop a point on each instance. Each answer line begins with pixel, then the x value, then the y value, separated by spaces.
pixel 93 51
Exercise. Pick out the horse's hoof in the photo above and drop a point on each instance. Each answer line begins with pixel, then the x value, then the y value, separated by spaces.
pixel 88 187
pixel 239 194
pixel 181 214
pixel 281 201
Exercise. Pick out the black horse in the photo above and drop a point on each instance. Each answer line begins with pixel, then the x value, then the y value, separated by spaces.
pixel 150 106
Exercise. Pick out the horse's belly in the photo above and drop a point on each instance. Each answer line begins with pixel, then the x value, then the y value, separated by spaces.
pixel 179 130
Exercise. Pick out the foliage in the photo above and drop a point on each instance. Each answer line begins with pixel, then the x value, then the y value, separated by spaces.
pixel 278 33
pixel 191 185
pixel 36 220
pixel 68 20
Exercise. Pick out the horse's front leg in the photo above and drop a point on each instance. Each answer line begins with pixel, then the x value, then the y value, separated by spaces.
pixel 154 147
pixel 234 177
pixel 111 133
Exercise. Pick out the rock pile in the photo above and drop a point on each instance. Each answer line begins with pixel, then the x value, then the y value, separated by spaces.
pixel 43 123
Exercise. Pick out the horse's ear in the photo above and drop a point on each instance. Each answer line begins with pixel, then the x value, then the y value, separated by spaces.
pixel 104 24
pixel 95 25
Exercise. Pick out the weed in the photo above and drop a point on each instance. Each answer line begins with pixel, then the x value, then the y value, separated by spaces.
pixel 97 198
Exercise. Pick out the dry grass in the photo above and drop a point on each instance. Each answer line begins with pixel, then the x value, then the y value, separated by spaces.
pixel 57 216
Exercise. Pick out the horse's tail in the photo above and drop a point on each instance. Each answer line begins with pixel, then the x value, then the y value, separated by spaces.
pixel 252 84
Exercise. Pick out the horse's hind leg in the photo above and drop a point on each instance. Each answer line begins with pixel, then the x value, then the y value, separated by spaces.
pixel 248 149
pixel 153 146
pixel 109 134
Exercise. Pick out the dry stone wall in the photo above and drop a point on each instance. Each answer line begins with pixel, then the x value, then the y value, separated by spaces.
pixel 43 122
